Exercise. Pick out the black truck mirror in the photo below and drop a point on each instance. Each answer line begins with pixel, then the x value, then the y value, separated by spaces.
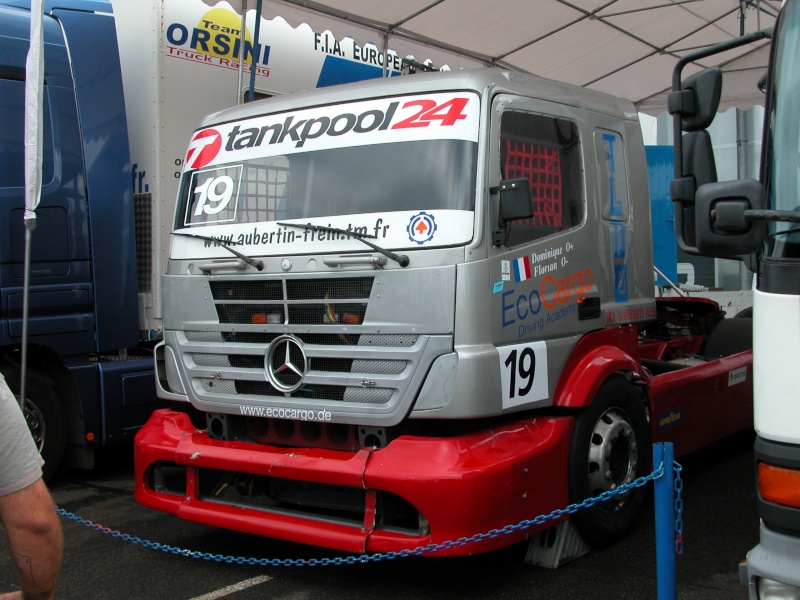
pixel 721 217
pixel 698 169
pixel 698 99
pixel 515 204
pixel 515 199
pixel 693 108
pixel 693 103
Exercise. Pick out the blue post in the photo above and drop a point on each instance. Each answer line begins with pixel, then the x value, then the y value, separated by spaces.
pixel 664 492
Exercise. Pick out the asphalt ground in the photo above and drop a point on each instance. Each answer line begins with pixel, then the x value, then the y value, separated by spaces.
pixel 719 517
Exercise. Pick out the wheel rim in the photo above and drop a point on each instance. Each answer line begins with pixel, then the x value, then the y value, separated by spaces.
pixel 613 455
pixel 36 423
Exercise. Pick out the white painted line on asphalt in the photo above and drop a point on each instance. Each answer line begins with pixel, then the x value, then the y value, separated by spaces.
pixel 236 587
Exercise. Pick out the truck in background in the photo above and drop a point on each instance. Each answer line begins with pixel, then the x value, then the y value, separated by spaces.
pixel 757 221
pixel 126 82
pixel 421 308
pixel 675 276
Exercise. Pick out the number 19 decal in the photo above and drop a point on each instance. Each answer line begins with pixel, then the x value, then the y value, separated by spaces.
pixel 214 194
pixel 523 373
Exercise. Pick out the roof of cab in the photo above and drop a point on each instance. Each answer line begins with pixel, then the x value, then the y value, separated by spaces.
pixel 479 80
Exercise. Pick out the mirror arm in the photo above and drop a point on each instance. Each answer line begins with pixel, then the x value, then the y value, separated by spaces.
pixel 786 216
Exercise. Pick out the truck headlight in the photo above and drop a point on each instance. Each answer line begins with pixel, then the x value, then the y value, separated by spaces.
pixel 775 590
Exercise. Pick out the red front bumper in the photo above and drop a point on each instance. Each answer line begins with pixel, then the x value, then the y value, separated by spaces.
pixel 461 485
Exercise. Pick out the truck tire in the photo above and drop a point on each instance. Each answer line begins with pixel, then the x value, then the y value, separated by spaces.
pixel 610 446
pixel 45 417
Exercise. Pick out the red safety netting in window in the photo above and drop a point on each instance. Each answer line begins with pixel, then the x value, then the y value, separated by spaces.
pixel 542 166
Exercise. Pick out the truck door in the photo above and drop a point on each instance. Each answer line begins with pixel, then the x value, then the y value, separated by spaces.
pixel 619 188
pixel 60 295
pixel 544 277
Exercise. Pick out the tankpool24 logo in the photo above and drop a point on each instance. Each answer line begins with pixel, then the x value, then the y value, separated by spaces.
pixel 421 228
pixel 203 148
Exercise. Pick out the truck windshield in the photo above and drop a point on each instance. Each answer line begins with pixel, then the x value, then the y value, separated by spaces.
pixel 407 176
pixel 387 167
pixel 783 159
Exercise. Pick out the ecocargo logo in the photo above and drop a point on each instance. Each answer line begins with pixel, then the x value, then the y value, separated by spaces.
pixel 216 39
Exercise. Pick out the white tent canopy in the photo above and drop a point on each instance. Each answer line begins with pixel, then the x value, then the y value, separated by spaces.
pixel 624 47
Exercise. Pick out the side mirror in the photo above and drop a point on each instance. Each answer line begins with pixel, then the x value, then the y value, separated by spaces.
pixel 722 226
pixel 693 102
pixel 698 99
pixel 515 204
pixel 515 199
pixel 699 169
pixel 693 105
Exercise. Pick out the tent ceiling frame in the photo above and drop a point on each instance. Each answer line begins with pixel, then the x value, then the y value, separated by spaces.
pixel 602 14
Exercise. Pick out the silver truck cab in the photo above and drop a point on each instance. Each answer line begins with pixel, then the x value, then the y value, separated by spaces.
pixel 485 298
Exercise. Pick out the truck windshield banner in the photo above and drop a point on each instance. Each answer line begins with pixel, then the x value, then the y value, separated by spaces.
pixel 452 116
pixel 390 230
pixel 399 171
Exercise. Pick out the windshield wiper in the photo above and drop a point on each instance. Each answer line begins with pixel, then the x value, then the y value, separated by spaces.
pixel 400 259
pixel 250 261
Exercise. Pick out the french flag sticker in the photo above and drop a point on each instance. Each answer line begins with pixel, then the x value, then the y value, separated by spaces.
pixel 522 269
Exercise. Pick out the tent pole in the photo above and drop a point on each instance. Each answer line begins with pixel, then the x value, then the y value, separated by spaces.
pixel 386 53
pixel 241 55
pixel 256 52
pixel 30 225
pixel 34 94
pixel 745 277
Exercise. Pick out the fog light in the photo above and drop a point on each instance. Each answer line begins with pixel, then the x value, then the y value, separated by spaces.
pixel 775 590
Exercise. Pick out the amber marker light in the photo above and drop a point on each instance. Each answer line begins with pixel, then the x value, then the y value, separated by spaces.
pixel 258 319
pixel 779 484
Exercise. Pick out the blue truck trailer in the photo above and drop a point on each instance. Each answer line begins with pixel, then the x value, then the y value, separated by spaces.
pixel 89 380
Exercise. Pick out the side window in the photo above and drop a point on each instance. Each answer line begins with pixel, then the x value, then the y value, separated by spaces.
pixel 12 135
pixel 613 173
pixel 547 151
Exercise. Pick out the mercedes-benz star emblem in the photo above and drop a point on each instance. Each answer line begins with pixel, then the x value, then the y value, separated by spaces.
pixel 285 363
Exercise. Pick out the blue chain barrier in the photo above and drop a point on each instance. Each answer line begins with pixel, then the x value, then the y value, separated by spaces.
pixel 367 558
pixel 678 483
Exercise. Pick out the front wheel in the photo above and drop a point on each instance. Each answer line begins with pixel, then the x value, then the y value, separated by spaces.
pixel 610 447
pixel 45 417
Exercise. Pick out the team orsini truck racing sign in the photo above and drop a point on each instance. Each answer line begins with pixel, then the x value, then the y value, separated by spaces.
pixel 287 59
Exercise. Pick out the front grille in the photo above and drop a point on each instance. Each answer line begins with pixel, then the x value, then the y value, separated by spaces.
pixel 308 392
pixel 302 434
pixel 261 289
pixel 340 287
pixel 342 363
pixel 371 367
pixel 330 301
pixel 308 500
pixel 212 360
pixel 218 386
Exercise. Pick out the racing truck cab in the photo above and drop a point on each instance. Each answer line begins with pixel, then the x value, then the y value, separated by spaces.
pixel 420 308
